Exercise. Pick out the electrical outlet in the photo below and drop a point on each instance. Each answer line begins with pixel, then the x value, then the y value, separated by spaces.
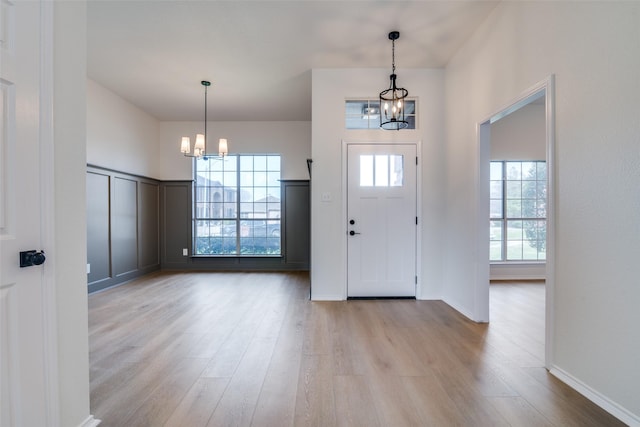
pixel 185 252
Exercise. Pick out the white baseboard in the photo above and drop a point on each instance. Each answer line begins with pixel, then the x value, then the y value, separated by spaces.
pixel 432 297
pixel 516 277
pixel 327 298
pixel 90 422
pixel 462 310
pixel 602 401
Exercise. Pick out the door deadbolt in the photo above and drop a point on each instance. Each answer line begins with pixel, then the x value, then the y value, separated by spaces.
pixel 352 221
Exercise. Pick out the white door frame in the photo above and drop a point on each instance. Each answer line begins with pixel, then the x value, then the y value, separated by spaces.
pixel 47 205
pixel 344 214
pixel 481 290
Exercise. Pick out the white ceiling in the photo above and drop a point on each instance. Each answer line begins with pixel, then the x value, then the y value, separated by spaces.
pixel 259 54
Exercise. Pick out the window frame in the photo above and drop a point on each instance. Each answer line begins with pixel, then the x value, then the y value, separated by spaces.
pixel 504 218
pixel 235 224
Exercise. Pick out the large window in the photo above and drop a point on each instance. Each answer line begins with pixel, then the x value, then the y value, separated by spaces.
pixel 518 212
pixel 237 205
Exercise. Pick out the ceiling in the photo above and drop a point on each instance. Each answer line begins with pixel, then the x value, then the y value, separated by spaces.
pixel 259 54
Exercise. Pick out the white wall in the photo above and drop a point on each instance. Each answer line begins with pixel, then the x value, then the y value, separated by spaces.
pixel 519 136
pixel 592 48
pixel 120 136
pixel 330 88
pixel 290 139
pixel 70 254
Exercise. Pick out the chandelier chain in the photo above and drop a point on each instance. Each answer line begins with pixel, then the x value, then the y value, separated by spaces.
pixel 393 56
pixel 205 117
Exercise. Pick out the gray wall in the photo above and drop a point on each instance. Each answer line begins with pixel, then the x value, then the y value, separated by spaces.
pixel 122 227
pixel 296 226
pixel 176 232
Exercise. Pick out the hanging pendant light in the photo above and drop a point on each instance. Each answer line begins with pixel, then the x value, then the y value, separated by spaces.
pixel 200 146
pixel 392 104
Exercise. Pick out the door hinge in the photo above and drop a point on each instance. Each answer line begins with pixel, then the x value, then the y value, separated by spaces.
pixel 416 280
pixel 416 160
pixel 416 220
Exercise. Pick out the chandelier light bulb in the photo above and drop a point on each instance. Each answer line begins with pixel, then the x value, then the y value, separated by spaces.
pixel 223 150
pixel 185 146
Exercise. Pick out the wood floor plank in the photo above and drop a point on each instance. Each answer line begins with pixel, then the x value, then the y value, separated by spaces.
pixel 355 405
pixel 315 400
pixel 167 394
pixel 432 403
pixel 517 411
pixel 392 400
pixel 237 405
pixel 198 404
pixel 277 401
pixel 250 349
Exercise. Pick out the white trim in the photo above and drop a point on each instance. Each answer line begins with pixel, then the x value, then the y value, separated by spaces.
pixel 343 215
pixel 420 219
pixel 328 298
pixel 598 398
pixel 90 422
pixel 513 277
pixel 545 88
pixel 550 123
pixel 462 309
pixel 482 269
pixel 47 219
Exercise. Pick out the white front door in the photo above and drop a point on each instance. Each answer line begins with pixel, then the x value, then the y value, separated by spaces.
pixel 381 216
pixel 25 308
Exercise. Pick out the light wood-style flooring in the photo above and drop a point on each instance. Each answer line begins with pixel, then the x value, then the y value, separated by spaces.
pixel 250 349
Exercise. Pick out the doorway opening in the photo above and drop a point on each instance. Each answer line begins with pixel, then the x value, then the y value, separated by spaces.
pixel 541 94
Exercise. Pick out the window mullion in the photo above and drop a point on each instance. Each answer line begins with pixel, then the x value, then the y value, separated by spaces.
pixel 504 211
pixel 238 194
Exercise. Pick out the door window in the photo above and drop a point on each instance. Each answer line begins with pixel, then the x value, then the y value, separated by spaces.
pixel 381 170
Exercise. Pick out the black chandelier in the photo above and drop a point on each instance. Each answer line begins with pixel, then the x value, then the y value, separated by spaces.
pixel 392 99
pixel 200 146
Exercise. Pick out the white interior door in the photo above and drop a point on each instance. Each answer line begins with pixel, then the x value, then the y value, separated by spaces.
pixel 24 383
pixel 381 215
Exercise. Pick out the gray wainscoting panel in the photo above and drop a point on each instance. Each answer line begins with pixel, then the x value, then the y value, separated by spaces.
pixel 176 223
pixel 98 244
pixel 296 223
pixel 149 224
pixel 124 232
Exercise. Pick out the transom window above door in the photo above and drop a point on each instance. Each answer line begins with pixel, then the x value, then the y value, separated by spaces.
pixel 365 113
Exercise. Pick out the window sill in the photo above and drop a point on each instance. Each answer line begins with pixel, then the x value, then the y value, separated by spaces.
pixel 235 256
pixel 513 263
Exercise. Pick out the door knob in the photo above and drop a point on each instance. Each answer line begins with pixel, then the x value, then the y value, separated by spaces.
pixel 353 233
pixel 29 258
